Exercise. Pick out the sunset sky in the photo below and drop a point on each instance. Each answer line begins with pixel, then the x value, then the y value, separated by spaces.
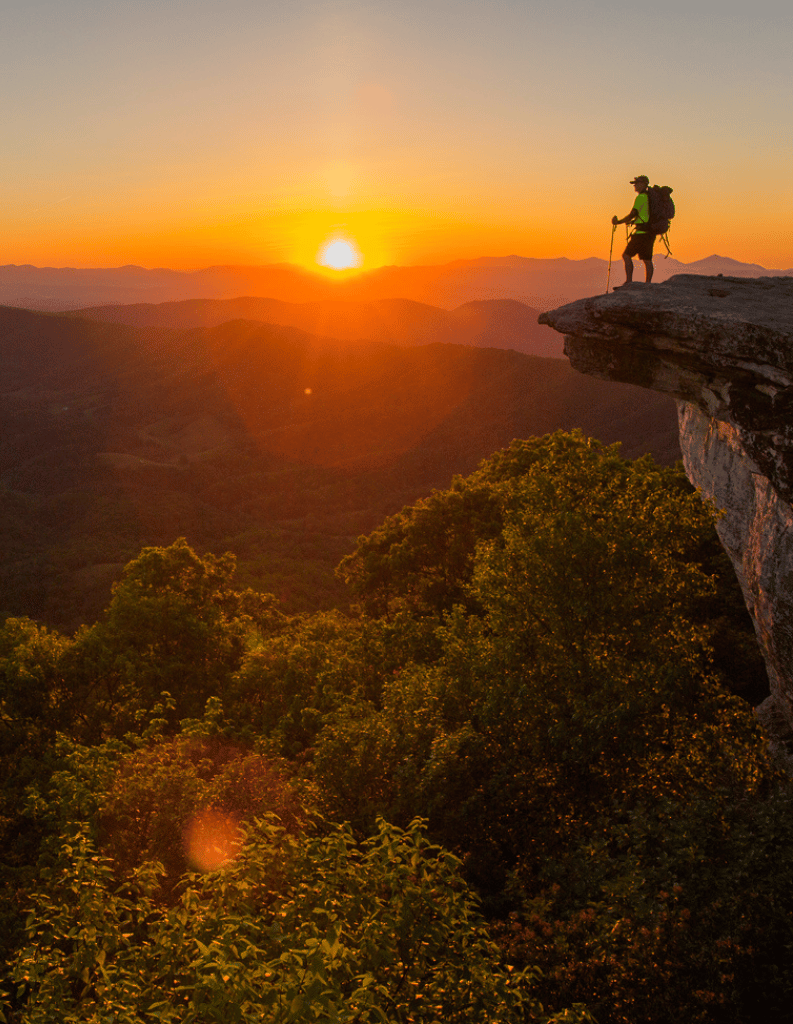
pixel 186 133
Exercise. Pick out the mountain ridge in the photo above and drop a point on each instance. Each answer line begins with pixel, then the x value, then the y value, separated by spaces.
pixel 541 283
pixel 499 323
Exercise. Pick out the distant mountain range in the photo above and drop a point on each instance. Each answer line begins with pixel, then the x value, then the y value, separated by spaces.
pixel 538 283
pixel 494 323
pixel 264 439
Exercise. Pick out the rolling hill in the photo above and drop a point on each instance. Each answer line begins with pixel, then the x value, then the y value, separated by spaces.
pixel 496 323
pixel 263 439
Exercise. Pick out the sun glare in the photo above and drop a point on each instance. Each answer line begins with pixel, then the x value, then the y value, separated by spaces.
pixel 339 254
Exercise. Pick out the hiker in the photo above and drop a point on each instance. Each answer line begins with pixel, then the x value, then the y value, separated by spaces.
pixel 641 240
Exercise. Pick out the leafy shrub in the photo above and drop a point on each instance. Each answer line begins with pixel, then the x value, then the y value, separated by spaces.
pixel 162 791
pixel 296 928
pixel 679 912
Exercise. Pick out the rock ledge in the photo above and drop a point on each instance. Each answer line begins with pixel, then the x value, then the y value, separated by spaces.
pixel 723 347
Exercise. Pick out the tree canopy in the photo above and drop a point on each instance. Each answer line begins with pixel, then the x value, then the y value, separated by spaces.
pixel 515 784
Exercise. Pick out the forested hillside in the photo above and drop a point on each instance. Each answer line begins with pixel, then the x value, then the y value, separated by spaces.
pixel 261 439
pixel 514 783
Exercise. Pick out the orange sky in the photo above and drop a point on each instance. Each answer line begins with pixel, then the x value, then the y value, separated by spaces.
pixel 184 136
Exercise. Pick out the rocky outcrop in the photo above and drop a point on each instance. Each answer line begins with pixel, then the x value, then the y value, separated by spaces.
pixel 723 347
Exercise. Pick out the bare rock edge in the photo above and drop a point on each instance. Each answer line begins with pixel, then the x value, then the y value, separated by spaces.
pixel 723 347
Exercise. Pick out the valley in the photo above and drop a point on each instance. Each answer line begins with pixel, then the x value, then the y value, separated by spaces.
pixel 261 438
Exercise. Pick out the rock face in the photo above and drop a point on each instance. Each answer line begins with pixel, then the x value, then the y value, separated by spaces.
pixel 723 347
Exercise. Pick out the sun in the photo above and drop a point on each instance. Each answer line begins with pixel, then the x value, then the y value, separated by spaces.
pixel 339 254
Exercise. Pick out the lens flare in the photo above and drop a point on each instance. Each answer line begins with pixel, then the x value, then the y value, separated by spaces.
pixel 212 839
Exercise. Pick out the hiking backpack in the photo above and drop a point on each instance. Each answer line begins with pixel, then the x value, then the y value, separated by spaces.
pixel 662 208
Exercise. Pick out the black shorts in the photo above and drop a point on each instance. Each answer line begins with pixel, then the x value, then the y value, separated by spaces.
pixel 640 244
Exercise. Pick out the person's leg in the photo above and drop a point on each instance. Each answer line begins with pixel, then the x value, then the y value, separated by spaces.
pixel 644 251
pixel 635 243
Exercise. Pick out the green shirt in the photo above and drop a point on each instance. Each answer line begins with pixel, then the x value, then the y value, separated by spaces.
pixel 642 208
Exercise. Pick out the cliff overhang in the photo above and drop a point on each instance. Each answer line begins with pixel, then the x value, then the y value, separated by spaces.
pixel 723 347
pixel 723 344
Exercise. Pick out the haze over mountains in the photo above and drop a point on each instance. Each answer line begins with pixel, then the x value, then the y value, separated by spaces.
pixel 497 323
pixel 536 282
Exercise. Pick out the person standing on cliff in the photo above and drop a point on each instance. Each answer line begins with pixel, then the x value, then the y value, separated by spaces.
pixel 641 240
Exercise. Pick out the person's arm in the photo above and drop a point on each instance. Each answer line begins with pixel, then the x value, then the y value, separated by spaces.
pixel 635 213
pixel 626 220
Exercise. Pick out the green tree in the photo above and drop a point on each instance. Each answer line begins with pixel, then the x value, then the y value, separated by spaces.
pixel 421 561
pixel 577 673
pixel 421 558
pixel 35 701
pixel 532 671
pixel 680 910
pixel 292 681
pixel 174 624
pixel 166 794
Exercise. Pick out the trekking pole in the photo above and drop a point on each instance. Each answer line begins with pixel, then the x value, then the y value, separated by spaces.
pixel 611 250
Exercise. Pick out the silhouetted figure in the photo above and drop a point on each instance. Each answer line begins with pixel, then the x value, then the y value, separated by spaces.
pixel 642 239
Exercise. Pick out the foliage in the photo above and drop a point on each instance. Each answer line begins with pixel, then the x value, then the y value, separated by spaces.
pixel 292 677
pixel 163 791
pixel 292 681
pixel 423 558
pixel 687 914
pixel 296 928
pixel 582 682
pixel 35 701
pixel 536 668
pixel 573 742
pixel 174 624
